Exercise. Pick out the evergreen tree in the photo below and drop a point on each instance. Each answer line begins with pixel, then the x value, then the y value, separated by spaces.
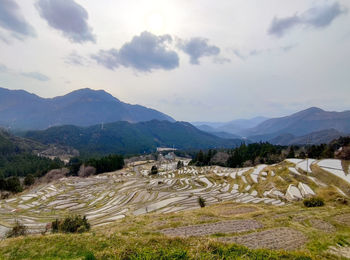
pixel 180 164
pixel 13 184
pixel 29 180
pixel 74 166
pixel 291 153
pixel 235 160
pixel 302 155
pixel 2 182
pixel 200 158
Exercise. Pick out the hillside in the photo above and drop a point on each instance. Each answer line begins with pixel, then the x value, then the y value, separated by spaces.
pixel 19 156
pixel 301 123
pixel 250 213
pixel 128 138
pixel 10 144
pixel 319 137
pixel 312 125
pixel 22 110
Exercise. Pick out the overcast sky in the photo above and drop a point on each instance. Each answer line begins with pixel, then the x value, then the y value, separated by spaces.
pixel 196 60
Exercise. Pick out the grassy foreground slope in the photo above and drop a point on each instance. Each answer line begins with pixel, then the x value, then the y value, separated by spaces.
pixel 140 237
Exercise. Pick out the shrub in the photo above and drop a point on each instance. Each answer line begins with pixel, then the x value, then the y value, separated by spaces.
pixel 180 164
pixel 90 256
pixel 29 180
pixel 54 226
pixel 74 166
pixel 13 184
pixel 71 224
pixel 154 170
pixel 313 202
pixel 342 200
pixel 17 230
pixel 201 202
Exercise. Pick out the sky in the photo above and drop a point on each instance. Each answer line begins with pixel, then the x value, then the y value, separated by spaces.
pixel 195 60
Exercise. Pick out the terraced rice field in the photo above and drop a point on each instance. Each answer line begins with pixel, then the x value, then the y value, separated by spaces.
pixel 233 226
pixel 132 191
pixel 277 238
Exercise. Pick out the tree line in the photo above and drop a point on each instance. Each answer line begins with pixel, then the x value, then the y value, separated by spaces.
pixel 266 153
pixel 104 164
pixel 17 161
pixel 108 163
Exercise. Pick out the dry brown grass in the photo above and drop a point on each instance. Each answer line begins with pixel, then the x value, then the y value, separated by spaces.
pixel 330 179
pixel 346 166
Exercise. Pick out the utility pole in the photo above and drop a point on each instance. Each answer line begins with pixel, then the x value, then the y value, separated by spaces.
pixel 307 155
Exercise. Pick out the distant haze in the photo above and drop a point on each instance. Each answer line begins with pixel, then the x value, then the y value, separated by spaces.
pixel 312 125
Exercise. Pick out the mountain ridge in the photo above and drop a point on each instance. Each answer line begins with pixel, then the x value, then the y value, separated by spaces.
pixel 303 122
pixel 131 138
pixel 232 127
pixel 20 109
pixel 291 129
pixel 319 137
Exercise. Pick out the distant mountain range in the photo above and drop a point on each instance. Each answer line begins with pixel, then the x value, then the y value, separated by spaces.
pixel 320 137
pixel 131 138
pixel 22 110
pixel 312 125
pixel 89 110
pixel 313 122
pixel 235 127
pixel 307 121
pixel 217 132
